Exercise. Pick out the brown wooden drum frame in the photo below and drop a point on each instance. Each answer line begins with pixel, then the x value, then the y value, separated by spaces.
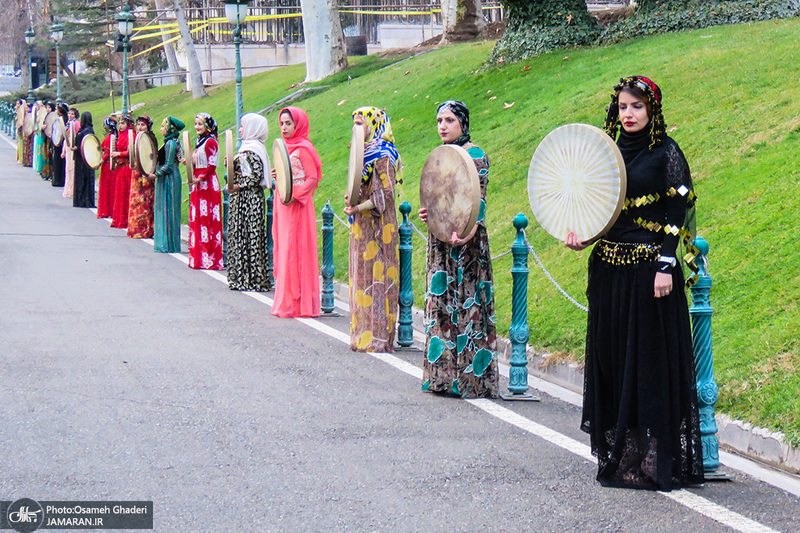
pixel 230 154
pixel 450 189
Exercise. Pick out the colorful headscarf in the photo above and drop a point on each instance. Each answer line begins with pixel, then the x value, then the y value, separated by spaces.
pixel 211 128
pixel 254 134
pixel 379 141
pixel 110 125
pixel 300 137
pixel 173 127
pixel 147 120
pixel 657 126
pixel 461 112
pixel 127 118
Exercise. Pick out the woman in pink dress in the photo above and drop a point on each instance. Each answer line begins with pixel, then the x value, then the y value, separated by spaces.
pixel 294 229
pixel 205 198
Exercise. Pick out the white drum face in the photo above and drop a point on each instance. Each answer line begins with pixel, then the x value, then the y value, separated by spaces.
pixel 577 182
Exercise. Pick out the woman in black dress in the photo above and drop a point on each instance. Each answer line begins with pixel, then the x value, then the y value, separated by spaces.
pixel 83 195
pixel 640 403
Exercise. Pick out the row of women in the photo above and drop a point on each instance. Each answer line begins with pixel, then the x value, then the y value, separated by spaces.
pixel 640 404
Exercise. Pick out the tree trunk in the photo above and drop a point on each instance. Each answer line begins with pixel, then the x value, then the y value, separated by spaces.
pixel 76 84
pixel 324 41
pixel 463 20
pixel 169 51
pixel 195 71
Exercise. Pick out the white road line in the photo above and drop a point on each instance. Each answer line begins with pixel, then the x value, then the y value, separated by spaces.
pixel 687 499
pixel 7 139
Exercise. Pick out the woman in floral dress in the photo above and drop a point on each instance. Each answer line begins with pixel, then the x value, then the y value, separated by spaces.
pixel 205 198
pixel 140 208
pixel 461 344
pixel 247 229
pixel 374 267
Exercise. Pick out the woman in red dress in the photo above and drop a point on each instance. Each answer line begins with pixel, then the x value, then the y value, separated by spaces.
pixel 105 193
pixel 122 168
pixel 205 198
pixel 140 209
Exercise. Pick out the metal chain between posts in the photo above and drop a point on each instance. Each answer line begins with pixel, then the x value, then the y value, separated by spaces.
pixel 554 282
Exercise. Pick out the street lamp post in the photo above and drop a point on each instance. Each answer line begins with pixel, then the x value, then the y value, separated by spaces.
pixel 57 33
pixel 236 12
pixel 29 37
pixel 125 24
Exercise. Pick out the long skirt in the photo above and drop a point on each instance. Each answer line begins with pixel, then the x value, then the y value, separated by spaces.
pixel 640 401
pixel 140 210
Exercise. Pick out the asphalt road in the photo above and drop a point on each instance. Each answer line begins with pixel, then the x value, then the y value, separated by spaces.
pixel 128 376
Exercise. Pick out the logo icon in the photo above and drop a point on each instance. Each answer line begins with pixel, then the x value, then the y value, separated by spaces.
pixel 25 515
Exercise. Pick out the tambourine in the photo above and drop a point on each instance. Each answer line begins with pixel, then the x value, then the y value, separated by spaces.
pixel 28 124
pixel 131 148
pixel 60 131
pixel 49 120
pixel 187 154
pixel 146 149
pixel 229 144
pixel 356 168
pixel 283 170
pixel 577 182
pixel 91 151
pixel 450 189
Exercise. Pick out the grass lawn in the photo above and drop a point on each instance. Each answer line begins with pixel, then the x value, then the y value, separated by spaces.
pixel 731 100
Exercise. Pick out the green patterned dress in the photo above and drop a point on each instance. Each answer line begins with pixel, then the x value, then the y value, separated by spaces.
pixel 461 344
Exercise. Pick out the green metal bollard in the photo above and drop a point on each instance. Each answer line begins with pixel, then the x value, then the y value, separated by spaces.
pixel 270 244
pixel 707 391
pixel 328 269
pixel 519 332
pixel 405 330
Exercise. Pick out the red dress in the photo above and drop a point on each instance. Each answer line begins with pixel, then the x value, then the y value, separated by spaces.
pixel 105 193
pixel 122 192
pixel 205 209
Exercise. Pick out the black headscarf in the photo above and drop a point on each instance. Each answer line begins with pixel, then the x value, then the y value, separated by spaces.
pixel 86 121
pixel 63 109
pixel 110 125
pixel 211 128
pixel 461 112
pixel 657 129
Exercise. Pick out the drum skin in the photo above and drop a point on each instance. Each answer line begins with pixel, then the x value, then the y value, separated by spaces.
pixel 91 151
pixel 356 167
pixel 229 153
pixel 146 149
pixel 577 182
pixel 283 170
pixel 450 190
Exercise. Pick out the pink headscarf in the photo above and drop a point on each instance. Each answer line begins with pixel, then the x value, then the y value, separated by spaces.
pixel 300 137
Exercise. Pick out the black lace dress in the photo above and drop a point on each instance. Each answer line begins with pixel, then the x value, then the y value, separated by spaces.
pixel 83 195
pixel 640 403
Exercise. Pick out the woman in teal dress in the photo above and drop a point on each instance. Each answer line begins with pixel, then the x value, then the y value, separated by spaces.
pixel 167 210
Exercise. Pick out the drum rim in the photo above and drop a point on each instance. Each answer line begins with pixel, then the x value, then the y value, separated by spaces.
pixel 229 151
pixel 151 139
pixel 187 154
pixel 474 178
pixel 280 152
pixel 355 170
pixel 91 138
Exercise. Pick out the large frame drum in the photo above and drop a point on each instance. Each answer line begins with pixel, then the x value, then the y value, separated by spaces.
pixel 450 189
pixel 577 182
pixel 356 166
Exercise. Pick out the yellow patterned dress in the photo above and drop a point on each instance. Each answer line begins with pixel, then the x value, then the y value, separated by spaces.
pixel 374 269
